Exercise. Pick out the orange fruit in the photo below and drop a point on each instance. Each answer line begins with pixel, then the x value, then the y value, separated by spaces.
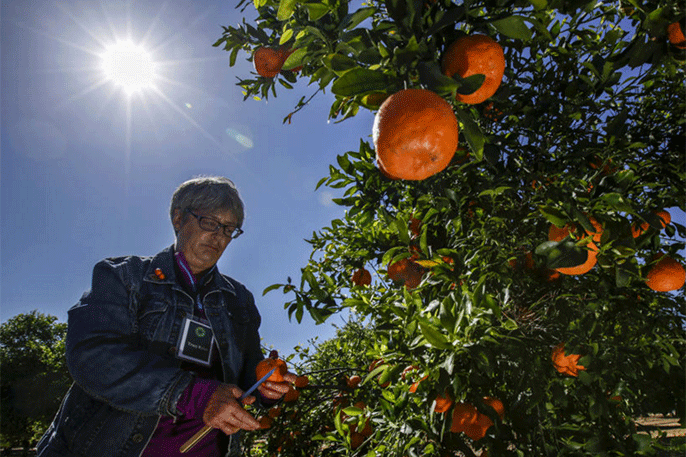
pixel 676 35
pixel 443 403
pixel 464 415
pixel 291 395
pixel 356 439
pixel 274 412
pixel 585 267
pixel 566 364
pixel 473 55
pixel 265 421
pixel 477 430
pixel 353 381
pixel 557 234
pixel 407 371
pixel 415 226
pixel 407 271
pixel 384 172
pixel 639 229
pixel 414 134
pixel 665 217
pixel 268 61
pixel 497 405
pixel 361 277
pixel 273 361
pixel 667 274
pixel 301 381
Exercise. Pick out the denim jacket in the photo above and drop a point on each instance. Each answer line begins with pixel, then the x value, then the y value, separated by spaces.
pixel 120 350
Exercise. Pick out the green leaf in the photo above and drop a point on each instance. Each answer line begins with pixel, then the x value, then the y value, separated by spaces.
pixel 431 76
pixel 353 411
pixel 286 8
pixel 286 36
pixel 354 19
pixel 539 4
pixel 562 254
pixel 513 27
pixel 339 63
pixel 295 59
pixel 316 11
pixel 553 215
pixel 472 133
pixel 433 335
pixel 270 288
pixel 359 81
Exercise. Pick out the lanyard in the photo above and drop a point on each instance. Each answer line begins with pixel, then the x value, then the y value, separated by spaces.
pixel 189 277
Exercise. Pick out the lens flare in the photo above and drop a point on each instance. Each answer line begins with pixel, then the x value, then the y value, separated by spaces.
pixel 240 138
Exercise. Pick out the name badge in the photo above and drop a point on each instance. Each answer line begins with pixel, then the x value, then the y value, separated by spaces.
pixel 196 343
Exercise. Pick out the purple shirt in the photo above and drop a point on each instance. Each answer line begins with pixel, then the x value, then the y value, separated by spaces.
pixel 171 434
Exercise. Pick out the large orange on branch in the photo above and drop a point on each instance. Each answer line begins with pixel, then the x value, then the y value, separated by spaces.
pixel 273 361
pixel 475 55
pixel 676 35
pixel 666 275
pixel 268 61
pixel 415 134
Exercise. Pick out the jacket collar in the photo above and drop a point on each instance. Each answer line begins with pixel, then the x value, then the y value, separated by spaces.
pixel 162 271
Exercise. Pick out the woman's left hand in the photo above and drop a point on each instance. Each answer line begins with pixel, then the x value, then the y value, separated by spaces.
pixel 276 390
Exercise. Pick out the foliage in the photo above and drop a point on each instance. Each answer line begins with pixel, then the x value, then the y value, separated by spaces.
pixel 589 122
pixel 34 376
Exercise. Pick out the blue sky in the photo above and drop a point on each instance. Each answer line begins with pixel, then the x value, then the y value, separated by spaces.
pixel 88 173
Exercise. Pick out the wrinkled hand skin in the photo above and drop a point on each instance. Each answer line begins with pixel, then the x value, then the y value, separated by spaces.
pixel 227 414
pixel 224 412
pixel 276 390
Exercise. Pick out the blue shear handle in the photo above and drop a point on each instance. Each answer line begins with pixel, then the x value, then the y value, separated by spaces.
pixel 206 429
pixel 257 384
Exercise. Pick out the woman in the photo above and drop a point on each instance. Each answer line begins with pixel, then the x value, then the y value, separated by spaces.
pixel 161 346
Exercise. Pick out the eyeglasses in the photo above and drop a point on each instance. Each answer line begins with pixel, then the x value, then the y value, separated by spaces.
pixel 211 225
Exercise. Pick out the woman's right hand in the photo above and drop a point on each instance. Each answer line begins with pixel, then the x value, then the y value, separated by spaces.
pixel 225 412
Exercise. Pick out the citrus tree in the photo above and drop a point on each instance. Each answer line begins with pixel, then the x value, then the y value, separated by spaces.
pixel 507 228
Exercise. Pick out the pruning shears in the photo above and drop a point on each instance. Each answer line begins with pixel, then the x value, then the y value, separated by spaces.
pixel 206 429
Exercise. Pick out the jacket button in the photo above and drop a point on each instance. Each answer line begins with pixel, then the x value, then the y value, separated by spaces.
pixel 137 438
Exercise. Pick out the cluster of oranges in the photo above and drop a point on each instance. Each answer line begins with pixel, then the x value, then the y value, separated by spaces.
pixel 415 131
pixel 664 275
pixel 280 368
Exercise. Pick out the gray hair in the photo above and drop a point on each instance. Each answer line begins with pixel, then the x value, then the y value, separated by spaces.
pixel 207 193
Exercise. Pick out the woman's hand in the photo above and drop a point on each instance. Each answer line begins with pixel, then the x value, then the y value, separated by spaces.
pixel 226 413
pixel 276 390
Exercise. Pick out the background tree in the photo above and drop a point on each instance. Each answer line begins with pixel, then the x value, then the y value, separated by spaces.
pixel 570 162
pixel 34 376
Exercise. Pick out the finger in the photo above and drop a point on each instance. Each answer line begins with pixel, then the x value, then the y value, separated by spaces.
pixel 249 400
pixel 244 420
pixel 235 391
pixel 290 377
pixel 274 391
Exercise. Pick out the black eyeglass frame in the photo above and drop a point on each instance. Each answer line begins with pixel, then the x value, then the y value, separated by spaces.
pixel 234 232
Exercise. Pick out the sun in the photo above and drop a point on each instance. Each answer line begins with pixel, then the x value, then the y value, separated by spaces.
pixel 129 66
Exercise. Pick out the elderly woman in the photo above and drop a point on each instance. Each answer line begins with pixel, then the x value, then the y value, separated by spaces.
pixel 161 346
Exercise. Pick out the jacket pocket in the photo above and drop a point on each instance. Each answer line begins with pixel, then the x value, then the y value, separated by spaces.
pixel 153 319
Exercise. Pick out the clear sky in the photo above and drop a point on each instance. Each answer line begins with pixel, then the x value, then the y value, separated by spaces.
pixel 88 171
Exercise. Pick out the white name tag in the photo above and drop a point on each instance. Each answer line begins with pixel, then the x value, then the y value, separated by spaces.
pixel 196 343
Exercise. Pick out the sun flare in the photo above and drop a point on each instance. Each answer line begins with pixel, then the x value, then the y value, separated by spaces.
pixel 129 66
